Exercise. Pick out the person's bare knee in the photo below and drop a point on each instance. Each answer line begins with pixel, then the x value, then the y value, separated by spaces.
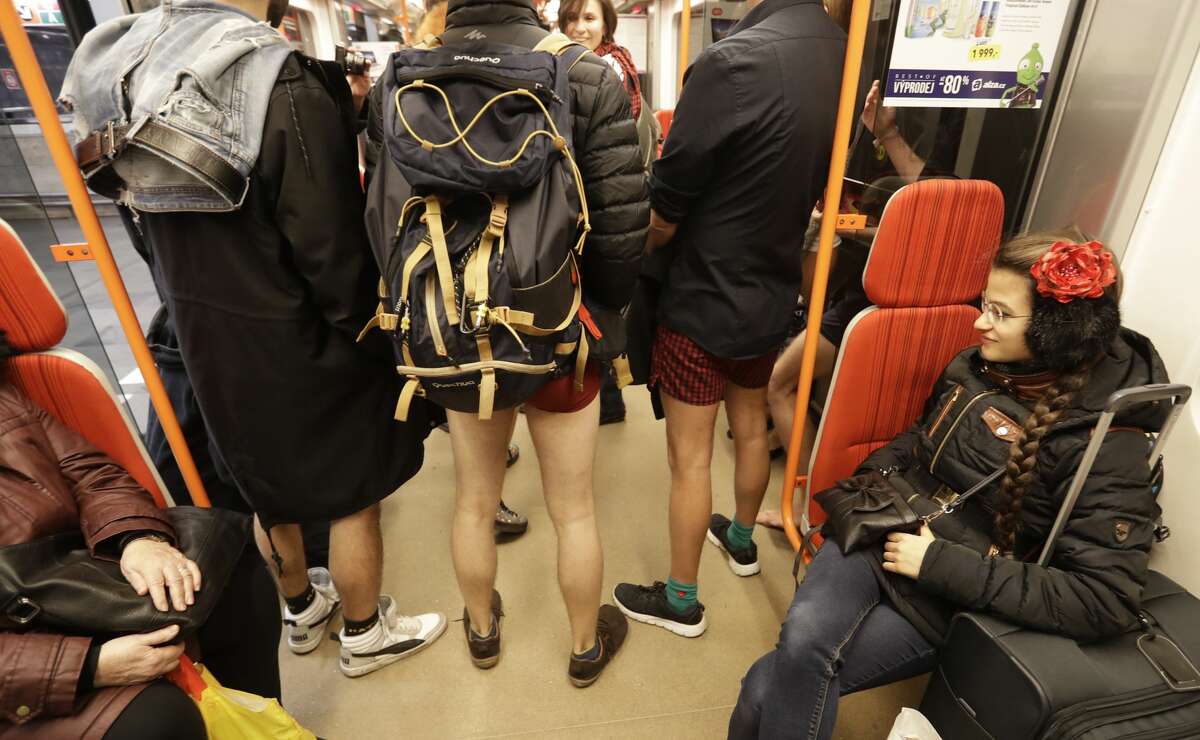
pixel 689 436
pixel 747 414
pixel 786 371
pixel 566 444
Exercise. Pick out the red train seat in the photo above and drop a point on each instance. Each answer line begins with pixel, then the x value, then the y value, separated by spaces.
pixel 928 265
pixel 63 382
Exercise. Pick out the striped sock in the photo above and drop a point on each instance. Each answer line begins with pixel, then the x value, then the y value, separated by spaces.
pixel 681 596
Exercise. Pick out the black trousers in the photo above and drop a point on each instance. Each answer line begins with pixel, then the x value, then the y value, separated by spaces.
pixel 161 712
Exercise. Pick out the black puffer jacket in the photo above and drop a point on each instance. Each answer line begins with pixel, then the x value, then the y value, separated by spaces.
pixel 1092 586
pixel 605 139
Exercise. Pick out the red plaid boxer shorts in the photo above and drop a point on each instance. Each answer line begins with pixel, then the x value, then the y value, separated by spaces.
pixel 685 371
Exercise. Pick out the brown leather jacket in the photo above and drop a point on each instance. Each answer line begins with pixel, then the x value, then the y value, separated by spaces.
pixel 53 480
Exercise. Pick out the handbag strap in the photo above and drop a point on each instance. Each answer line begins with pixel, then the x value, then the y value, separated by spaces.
pixel 958 501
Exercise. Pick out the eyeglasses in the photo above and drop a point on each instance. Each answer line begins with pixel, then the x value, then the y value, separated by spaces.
pixel 996 314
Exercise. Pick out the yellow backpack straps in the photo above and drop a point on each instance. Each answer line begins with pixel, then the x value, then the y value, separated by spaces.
pixel 441 255
pixel 555 43
pixel 412 387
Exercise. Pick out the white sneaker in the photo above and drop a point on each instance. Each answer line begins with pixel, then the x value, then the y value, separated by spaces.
pixel 393 637
pixel 306 629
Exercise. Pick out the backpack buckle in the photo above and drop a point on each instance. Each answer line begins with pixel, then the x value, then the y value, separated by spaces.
pixel 476 318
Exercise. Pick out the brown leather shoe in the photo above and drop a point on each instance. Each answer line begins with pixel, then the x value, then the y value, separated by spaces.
pixel 611 629
pixel 485 650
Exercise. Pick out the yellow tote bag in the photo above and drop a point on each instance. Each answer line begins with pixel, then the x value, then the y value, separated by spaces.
pixel 235 715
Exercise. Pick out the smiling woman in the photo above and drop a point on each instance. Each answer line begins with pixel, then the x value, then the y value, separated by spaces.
pixel 1022 405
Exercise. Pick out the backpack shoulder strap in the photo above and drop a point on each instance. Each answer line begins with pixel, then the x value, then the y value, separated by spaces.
pixel 556 43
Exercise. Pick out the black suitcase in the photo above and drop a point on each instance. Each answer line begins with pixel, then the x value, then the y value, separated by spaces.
pixel 997 681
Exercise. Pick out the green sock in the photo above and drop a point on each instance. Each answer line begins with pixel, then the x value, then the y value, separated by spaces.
pixel 739 537
pixel 680 596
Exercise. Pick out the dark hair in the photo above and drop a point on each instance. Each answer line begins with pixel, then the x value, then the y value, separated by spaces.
pixel 1065 337
pixel 6 351
pixel 570 11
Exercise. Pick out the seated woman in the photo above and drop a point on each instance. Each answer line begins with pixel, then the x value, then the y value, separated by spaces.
pixel 58 686
pixel 1027 399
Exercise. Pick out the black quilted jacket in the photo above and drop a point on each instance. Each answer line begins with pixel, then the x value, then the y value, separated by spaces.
pixel 1093 584
pixel 606 147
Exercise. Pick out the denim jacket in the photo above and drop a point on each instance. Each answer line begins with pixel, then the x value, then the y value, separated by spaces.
pixel 202 69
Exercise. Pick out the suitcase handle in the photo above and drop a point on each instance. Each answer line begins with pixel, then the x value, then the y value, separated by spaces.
pixel 1177 393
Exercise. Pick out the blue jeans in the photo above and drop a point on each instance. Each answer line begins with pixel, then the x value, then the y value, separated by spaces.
pixel 839 637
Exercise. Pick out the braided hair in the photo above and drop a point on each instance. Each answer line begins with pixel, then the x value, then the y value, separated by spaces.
pixel 1065 337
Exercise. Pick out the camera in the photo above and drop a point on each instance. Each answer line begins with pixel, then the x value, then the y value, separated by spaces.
pixel 354 62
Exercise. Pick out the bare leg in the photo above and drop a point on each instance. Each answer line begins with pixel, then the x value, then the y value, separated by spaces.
pixel 566 445
pixel 746 409
pixel 689 453
pixel 781 391
pixel 781 397
pixel 356 562
pixel 289 545
pixel 480 448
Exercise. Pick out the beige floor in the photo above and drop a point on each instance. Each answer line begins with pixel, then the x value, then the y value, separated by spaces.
pixel 661 686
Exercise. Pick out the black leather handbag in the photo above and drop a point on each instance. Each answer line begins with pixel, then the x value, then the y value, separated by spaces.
pixel 862 510
pixel 54 583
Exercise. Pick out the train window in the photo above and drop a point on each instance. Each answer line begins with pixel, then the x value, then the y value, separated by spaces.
pixel 53 49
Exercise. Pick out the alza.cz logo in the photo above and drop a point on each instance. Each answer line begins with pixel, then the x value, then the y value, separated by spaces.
pixel 477 60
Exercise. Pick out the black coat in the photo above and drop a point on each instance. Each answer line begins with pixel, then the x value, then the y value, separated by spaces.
pixel 268 301
pixel 605 137
pixel 1093 583
pixel 744 162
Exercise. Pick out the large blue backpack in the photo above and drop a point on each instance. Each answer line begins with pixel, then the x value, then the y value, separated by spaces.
pixel 480 284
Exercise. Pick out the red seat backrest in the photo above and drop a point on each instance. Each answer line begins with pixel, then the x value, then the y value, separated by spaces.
pixel 65 383
pixel 930 260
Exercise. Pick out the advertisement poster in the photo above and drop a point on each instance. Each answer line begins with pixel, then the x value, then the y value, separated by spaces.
pixel 974 53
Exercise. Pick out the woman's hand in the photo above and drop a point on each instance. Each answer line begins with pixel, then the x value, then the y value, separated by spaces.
pixel 878 119
pixel 153 566
pixel 904 553
pixel 135 659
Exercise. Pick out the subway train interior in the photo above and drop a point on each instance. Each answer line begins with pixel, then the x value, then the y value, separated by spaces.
pixel 1005 305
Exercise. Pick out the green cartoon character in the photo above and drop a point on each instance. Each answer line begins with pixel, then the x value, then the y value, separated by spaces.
pixel 1029 77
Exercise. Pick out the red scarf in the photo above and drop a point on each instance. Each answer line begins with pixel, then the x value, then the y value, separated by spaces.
pixel 632 85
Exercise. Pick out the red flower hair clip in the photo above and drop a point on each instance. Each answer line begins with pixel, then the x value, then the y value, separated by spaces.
pixel 1069 271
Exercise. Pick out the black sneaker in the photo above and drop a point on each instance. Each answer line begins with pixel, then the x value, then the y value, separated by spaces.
pixel 611 629
pixel 742 562
pixel 513 454
pixel 648 604
pixel 509 522
pixel 485 651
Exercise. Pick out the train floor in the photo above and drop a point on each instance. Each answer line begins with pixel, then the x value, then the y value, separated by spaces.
pixel 660 686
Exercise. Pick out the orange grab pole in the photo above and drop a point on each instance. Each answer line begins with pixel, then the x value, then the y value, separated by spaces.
pixel 833 200
pixel 685 41
pixel 405 31
pixel 64 159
